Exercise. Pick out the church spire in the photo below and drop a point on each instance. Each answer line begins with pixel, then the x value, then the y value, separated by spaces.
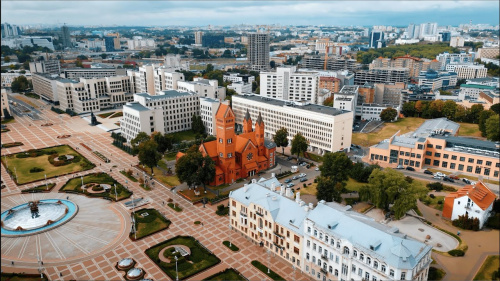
pixel 259 119
pixel 247 116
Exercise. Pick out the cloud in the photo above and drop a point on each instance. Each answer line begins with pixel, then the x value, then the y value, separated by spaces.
pixel 253 12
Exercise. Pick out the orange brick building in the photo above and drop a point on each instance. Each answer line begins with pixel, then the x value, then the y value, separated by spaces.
pixel 238 156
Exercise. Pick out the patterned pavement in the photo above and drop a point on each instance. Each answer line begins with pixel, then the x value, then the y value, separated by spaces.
pixel 101 265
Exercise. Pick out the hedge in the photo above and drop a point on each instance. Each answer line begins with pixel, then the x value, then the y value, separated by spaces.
pixel 273 275
pixel 456 253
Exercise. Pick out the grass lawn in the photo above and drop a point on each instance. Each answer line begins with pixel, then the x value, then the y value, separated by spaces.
pixel 118 114
pixel 147 222
pixel 199 259
pixel 184 135
pixel 175 207
pixel 227 274
pixel 145 187
pixel 42 187
pixel 170 181
pixel 232 247
pixel 163 165
pixel 313 157
pixel 436 273
pixel 491 264
pixel 24 165
pixel 22 277
pixel 170 156
pixel 469 130
pixel 404 125
pixel 132 178
pixel 106 115
pixel 433 202
pixel 354 185
pixel 273 275
pixel 76 186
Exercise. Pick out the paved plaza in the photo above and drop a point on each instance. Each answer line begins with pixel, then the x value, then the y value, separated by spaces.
pixel 89 246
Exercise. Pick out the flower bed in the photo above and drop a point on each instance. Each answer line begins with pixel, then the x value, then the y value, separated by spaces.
pixel 75 186
pixel 11 144
pixel 88 148
pixel 231 246
pixel 148 222
pixel 102 157
pixel 175 207
pixel 128 174
pixel 227 274
pixel 63 136
pixel 40 188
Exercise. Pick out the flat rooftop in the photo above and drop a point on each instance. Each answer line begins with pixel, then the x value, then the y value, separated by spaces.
pixel 136 106
pixel 434 125
pixel 282 103
pixel 165 94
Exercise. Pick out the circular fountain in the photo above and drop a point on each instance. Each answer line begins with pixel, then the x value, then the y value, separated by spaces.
pixel 36 216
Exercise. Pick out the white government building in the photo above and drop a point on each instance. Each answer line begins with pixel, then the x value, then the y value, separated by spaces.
pixel 329 241
pixel 326 128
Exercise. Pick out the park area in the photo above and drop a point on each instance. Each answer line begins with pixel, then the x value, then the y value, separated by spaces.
pixel 34 164
pixel 147 222
pixel 490 270
pixel 192 257
pixel 227 274
pixel 99 185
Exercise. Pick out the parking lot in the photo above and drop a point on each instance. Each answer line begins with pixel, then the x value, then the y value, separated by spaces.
pixel 310 173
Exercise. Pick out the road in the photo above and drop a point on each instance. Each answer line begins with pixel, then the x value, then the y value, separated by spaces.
pixel 24 109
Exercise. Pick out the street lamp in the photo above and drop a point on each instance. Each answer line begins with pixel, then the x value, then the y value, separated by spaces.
pixel 15 171
pixel 46 186
pixel 133 217
pixel 176 272
pixel 116 194
pixel 230 245
pixel 82 184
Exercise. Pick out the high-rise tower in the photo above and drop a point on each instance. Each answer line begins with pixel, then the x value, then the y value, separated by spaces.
pixel 258 51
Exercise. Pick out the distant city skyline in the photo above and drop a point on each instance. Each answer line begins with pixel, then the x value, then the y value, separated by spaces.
pixel 201 13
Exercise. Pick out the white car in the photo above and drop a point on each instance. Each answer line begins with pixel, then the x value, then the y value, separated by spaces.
pixel 437 177
pixel 302 175
pixel 317 169
pixel 439 174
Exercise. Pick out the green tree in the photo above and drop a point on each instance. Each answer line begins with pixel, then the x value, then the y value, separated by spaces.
pixel 388 114
pixel 460 113
pixel 148 153
pixel 492 128
pixel 104 56
pixel 328 102
pixel 472 114
pixel 299 145
pixel 194 169
pixel 361 173
pixel 336 166
pixel 209 68
pixel 197 125
pixel 496 108
pixel 483 116
pixel 409 109
pixel 281 139
pixel 20 84
pixel 140 138
pixel 164 141
pixel 436 108
pixel 419 107
pixel 329 190
pixel 449 109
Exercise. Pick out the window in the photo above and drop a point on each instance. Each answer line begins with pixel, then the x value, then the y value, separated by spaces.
pixel 452 166
pixel 362 257
pixel 220 140
pixel 403 275
pixel 355 253
pixel 314 246
pixel 367 275
pixel 462 159
pixel 488 163
pixel 308 230
pixel 439 147
pixel 428 153
pixel 326 238
pixel 471 160
pixel 460 167
pixel 360 271
pixel 314 259
pixel 383 268
pixel 353 268
pixel 444 164
pixel 445 156
pixel 346 250
pixel 430 145
pixel 453 157
pixel 336 259
pixel 368 260
pixel 401 153
pixel 336 272
pixel 479 162
pixel 296 238
pixel 436 154
pixel 391 272
pixel 375 264
pixel 420 146
pixel 374 278
pixel 229 140
pixel 315 233
pixel 435 163
pixel 469 169
pixel 478 170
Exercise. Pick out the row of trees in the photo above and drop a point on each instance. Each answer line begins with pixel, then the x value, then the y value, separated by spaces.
pixel 429 51
pixel 299 142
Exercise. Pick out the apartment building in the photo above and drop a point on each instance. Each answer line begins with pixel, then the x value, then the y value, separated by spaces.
pixel 437 80
pixel 46 66
pixel 203 87
pixel 414 65
pixel 326 128
pixel 208 110
pixel 238 77
pixel 165 78
pixel 73 73
pixel 258 51
pixel 457 41
pixel 268 216
pixel 382 75
pixel 169 112
pixel 472 90
pixel 487 53
pixel 435 145
pixel 333 63
pixel 5 108
pixel 341 244
pixel 240 88
pixel 388 93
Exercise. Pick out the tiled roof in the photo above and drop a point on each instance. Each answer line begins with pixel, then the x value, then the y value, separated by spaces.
pixel 221 112
pixel 210 147
pixel 480 194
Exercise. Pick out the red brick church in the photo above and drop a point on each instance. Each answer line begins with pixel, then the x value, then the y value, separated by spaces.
pixel 238 156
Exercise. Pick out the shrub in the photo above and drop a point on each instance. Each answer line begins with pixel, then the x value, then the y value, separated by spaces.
pixel 304 185
pixel 36 170
pixel 315 180
pixel 97 188
pixel 170 200
pixel 449 188
pixel 437 186
pixel 220 208
pixel 440 202
pixel 197 222
pixel 494 221
pixel 465 222
pixel 456 253
pixel 432 196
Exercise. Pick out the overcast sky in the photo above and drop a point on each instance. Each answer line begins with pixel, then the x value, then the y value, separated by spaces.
pixel 199 13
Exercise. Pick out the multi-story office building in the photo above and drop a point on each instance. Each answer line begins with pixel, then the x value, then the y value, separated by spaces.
pixel 377 39
pixel 5 108
pixel 382 75
pixel 348 98
pixel 166 79
pixel 415 65
pixel 289 84
pixel 472 90
pixel 65 37
pixel 169 112
pixel 435 145
pixel 437 80
pixel 468 71
pixel 326 128
pixel 258 51
pixel 73 73
pixel 329 241
pixel 447 58
pixel 371 111
pixel 208 110
pixel 240 87
pixel 237 77
pixel 203 87
pixel 333 63
pixel 44 84
pixel 46 66
pixel 488 53
pixel 457 41
pixel 342 244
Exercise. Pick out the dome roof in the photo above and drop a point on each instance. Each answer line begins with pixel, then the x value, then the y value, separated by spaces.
pixel 134 273
pixel 125 262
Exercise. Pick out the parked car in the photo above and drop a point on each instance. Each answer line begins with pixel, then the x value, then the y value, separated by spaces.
pixel 428 172
pixel 467 181
pixel 302 175
pixel 453 177
pixel 303 179
pixel 400 167
pixel 294 178
pixel 290 184
pixel 317 169
pixel 448 179
pixel 357 146
pixel 288 181
pixel 410 168
pixel 289 158
pixel 440 174
pixel 437 177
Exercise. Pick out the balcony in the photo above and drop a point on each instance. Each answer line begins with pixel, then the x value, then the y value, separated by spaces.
pixel 324 257
pixel 279 235
pixel 324 270
pixel 259 214
pixel 279 246
pixel 243 214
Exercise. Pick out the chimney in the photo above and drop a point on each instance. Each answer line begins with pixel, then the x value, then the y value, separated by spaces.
pixel 245 187
pixel 274 197
pixel 322 202
pixel 288 192
pixel 273 175
pixel 273 187
pixel 301 203
pixel 311 206
pixel 306 208
pixel 281 191
pixel 297 197
pixel 254 181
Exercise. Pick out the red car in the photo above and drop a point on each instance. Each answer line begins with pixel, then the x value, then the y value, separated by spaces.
pixel 453 177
